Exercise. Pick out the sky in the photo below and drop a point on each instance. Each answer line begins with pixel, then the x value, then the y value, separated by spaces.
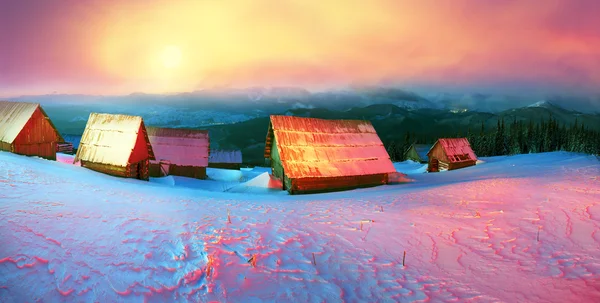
pixel 156 46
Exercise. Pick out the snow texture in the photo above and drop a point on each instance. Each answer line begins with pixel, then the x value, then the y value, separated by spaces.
pixel 511 229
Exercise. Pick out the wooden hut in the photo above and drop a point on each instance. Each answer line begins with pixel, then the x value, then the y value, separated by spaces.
pixel 179 152
pixel 25 129
pixel 117 145
pixel 64 147
pixel 229 159
pixel 449 154
pixel 418 153
pixel 316 155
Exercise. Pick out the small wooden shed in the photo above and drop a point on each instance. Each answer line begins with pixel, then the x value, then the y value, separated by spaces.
pixel 179 152
pixel 229 159
pixel 317 155
pixel 25 129
pixel 450 154
pixel 418 153
pixel 117 145
pixel 64 147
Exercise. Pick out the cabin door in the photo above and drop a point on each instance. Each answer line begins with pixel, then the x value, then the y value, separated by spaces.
pixel 139 171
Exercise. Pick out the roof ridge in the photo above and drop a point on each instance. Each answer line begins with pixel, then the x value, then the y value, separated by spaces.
pixel 321 119
pixel 332 145
pixel 318 132
pixel 336 160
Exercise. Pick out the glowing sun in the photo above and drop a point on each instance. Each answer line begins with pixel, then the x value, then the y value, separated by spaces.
pixel 171 57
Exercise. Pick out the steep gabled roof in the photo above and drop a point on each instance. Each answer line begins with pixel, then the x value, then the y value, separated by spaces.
pixel 456 149
pixel 110 139
pixel 421 149
pixel 184 147
pixel 310 147
pixel 14 117
pixel 225 156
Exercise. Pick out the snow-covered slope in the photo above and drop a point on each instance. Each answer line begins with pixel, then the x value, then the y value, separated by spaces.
pixel 512 229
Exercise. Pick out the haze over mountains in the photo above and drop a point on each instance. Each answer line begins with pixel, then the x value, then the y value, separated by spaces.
pixel 256 99
pixel 238 118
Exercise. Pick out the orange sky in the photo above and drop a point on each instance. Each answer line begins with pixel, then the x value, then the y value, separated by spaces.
pixel 155 46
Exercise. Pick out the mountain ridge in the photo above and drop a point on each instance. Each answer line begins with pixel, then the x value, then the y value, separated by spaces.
pixel 282 98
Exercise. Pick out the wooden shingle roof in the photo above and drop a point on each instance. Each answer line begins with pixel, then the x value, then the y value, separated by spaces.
pixel 310 147
pixel 110 139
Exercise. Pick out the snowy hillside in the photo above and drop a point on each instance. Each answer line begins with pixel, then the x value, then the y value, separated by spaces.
pixel 511 229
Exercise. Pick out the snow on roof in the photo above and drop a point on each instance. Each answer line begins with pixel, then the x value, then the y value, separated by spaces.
pixel 310 147
pixel 184 147
pixel 14 117
pixel 456 149
pixel 225 156
pixel 422 150
pixel 110 139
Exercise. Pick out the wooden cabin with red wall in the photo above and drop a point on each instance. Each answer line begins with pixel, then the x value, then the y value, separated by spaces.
pixel 179 152
pixel 25 129
pixel 450 154
pixel 117 145
pixel 317 155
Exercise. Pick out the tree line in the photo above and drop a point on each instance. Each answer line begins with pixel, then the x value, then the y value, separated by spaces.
pixel 517 137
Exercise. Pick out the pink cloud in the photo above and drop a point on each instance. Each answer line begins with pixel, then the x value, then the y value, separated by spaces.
pixel 553 45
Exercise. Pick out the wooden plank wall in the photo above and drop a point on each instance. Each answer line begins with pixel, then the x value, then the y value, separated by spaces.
pixel 308 185
pixel 43 150
pixel 154 170
pixel 197 172
pixel 225 165
pixel 276 166
pixel 140 149
pixel 6 147
pixel 438 153
pixel 118 171
pixel 38 138
pixel 458 165
pixel 443 165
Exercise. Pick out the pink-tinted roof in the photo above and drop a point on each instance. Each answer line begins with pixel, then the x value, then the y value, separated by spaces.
pixel 184 147
pixel 310 147
pixel 225 156
pixel 457 149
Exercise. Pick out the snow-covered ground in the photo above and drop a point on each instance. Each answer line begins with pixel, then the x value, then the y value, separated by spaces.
pixel 511 229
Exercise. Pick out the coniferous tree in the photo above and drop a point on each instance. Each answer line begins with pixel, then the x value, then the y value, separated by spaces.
pixel 521 139
pixel 393 151
pixel 516 137
pixel 573 137
pixel 480 141
pixel 529 139
pixel 498 140
pixel 514 142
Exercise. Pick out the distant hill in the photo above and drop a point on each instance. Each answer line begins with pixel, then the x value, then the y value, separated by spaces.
pixel 247 131
pixel 544 109
pixel 238 118
pixel 392 123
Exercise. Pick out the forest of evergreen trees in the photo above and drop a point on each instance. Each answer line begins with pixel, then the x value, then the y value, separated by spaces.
pixel 517 137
